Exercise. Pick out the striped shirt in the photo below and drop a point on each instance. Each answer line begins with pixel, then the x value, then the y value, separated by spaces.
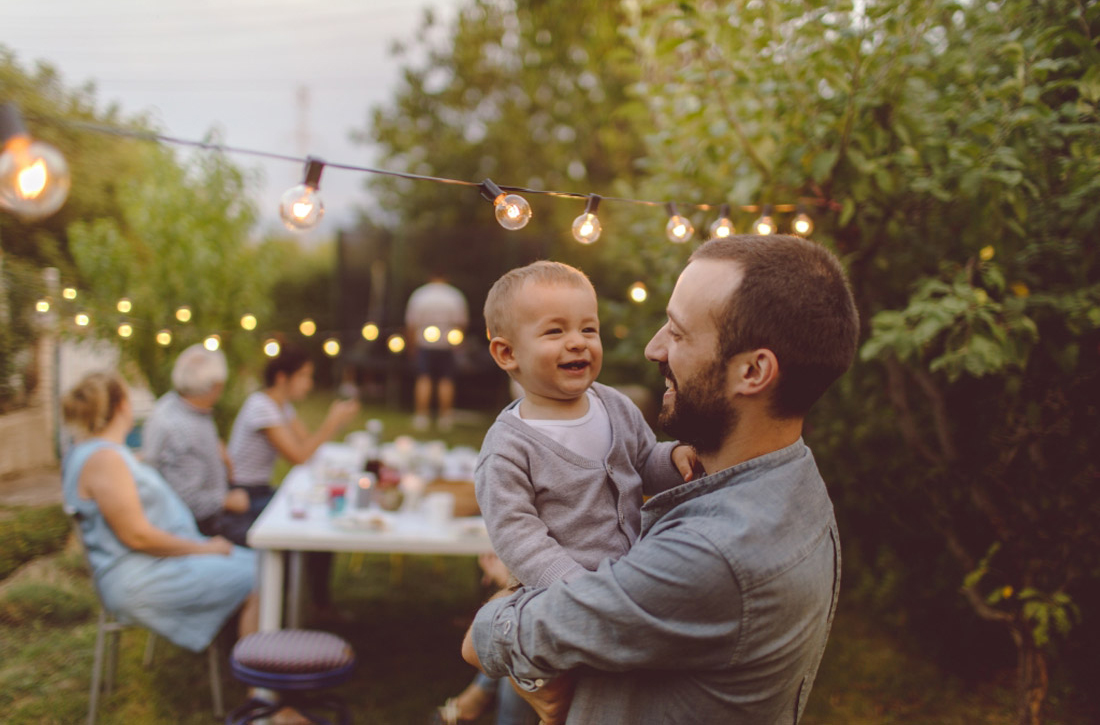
pixel 250 450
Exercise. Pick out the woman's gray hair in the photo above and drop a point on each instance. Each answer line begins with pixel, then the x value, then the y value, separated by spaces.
pixel 198 370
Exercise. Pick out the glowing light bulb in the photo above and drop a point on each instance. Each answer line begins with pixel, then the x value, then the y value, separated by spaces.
pixel 124 305
pixel 432 333
pixel 722 227
pixel 212 342
pixel 512 210
pixel 586 227
pixel 679 229
pixel 82 319
pixel 455 337
pixel 802 224
pixel 370 332
pixel 331 347
pixel 764 225
pixel 125 330
pixel 183 314
pixel 396 344
pixel 69 293
pixel 42 305
pixel 34 178
pixel 308 327
pixel 301 206
pixel 248 322
pixel 638 292
pixel 164 338
pixel 271 348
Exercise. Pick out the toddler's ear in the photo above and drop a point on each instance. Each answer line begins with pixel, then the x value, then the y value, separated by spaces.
pixel 503 353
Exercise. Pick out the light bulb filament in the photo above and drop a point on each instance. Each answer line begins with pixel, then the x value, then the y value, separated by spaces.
pixel 32 180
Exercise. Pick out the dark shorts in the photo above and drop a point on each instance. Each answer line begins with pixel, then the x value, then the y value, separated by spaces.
pixel 435 362
pixel 235 526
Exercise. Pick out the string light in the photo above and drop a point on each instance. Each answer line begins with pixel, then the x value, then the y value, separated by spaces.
pixel 432 333
pixel 678 229
pixel 722 227
pixel 82 319
pixel 271 347
pixel 638 292
pixel 370 332
pixel 212 342
pixel 307 327
pixel 124 305
pixel 183 314
pixel 331 347
pixel 42 305
pixel 164 338
pixel 125 330
pixel 69 293
pixel 586 227
pixel 455 337
pixel 34 178
pixel 301 206
pixel 396 344
pixel 764 225
pixel 512 210
pixel 248 322
pixel 802 225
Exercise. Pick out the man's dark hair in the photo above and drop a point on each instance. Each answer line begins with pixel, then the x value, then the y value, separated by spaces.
pixel 290 360
pixel 794 300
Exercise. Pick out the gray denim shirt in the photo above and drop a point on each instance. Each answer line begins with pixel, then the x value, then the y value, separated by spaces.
pixel 718 614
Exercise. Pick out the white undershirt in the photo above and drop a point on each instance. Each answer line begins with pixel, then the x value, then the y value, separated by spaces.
pixel 588 436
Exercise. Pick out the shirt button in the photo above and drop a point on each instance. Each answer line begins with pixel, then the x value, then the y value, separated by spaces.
pixel 539 682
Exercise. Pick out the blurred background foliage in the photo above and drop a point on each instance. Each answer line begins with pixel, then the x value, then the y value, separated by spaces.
pixel 946 150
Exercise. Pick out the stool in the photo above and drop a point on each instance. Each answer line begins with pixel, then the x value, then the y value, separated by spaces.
pixel 295 663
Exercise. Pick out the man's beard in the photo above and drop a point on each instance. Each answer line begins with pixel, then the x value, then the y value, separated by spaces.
pixel 700 414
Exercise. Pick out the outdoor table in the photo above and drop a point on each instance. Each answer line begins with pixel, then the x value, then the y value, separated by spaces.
pixel 276 534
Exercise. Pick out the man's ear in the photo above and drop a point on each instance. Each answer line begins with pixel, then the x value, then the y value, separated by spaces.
pixel 754 372
pixel 503 353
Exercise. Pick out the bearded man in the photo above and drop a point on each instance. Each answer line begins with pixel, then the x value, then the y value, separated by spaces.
pixel 721 610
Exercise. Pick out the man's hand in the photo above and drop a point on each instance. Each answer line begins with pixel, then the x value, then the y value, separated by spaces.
pixel 236 501
pixel 686 462
pixel 551 701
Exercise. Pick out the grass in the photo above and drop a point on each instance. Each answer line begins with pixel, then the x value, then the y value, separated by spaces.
pixel 407 615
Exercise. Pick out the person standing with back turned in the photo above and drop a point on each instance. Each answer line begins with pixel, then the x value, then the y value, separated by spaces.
pixel 433 311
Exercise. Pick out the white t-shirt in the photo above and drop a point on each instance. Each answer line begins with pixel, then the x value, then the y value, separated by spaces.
pixel 588 436
pixel 249 448
pixel 439 304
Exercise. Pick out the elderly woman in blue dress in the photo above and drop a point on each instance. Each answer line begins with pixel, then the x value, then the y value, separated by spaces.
pixel 151 565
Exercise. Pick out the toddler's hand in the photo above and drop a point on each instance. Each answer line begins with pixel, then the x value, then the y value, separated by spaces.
pixel 686 462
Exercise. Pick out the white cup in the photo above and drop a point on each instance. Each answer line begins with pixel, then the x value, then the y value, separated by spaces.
pixel 439 507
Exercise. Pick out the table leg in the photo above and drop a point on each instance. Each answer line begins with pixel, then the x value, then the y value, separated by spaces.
pixel 294 590
pixel 271 590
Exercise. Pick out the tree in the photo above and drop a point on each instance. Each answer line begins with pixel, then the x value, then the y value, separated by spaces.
pixel 949 150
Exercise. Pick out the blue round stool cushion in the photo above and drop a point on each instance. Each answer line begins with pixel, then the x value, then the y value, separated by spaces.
pixel 292 659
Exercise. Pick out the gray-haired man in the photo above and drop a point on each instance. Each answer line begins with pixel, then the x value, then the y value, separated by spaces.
pixel 180 439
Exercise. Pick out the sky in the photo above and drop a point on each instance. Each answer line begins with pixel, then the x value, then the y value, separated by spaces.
pixel 293 77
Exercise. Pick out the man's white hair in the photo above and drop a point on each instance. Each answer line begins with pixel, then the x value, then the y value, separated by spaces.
pixel 198 370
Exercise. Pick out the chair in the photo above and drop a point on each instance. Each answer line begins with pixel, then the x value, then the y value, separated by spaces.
pixel 108 630
pixel 296 664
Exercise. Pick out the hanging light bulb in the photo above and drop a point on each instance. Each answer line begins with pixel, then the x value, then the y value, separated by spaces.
pixel 34 178
pixel 722 227
pixel 679 228
pixel 370 332
pixel 42 305
pixel 764 225
pixel 82 319
pixel 432 333
pixel 183 313
pixel 164 338
pixel 638 292
pixel 455 337
pixel 69 293
pixel 331 347
pixel 125 330
pixel 212 342
pixel 396 344
pixel 512 210
pixel 307 327
pixel 248 322
pixel 124 305
pixel 586 227
pixel 802 224
pixel 301 206
pixel 271 347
